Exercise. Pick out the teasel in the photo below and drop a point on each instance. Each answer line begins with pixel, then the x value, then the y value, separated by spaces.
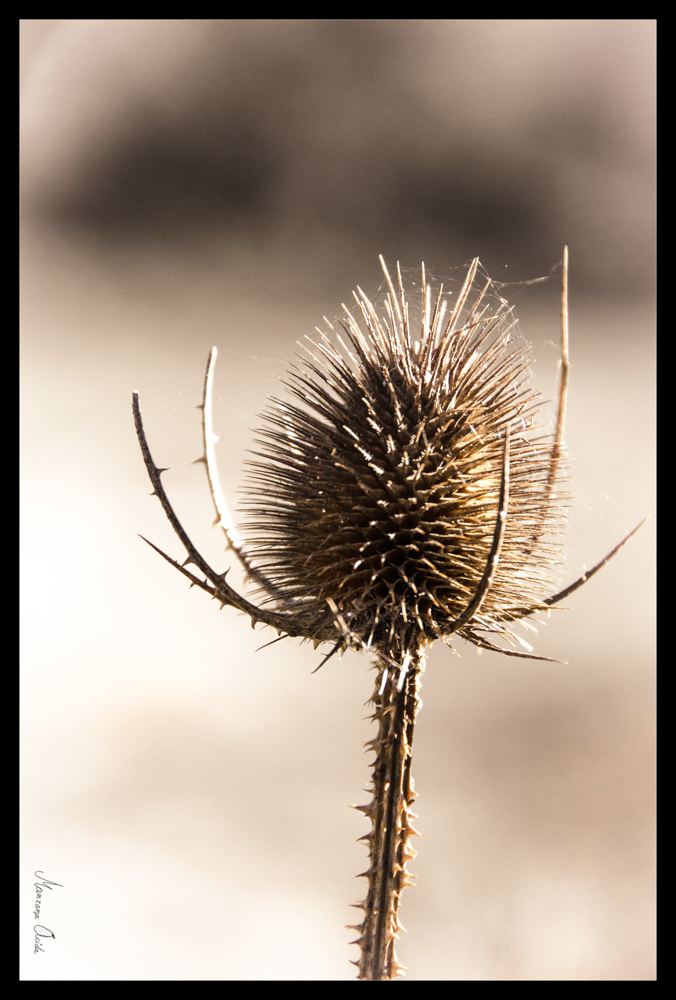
pixel 404 493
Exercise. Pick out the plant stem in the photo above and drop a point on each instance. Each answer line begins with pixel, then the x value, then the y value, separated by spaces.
pixel 390 814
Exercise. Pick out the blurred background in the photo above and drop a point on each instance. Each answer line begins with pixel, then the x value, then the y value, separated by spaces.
pixel 196 182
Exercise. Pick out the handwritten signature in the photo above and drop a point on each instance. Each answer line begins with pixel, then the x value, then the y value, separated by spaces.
pixel 42 932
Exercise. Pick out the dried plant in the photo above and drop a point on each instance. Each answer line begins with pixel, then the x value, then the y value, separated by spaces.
pixel 406 494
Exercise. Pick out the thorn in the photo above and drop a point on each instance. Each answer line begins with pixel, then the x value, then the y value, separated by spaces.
pixel 160 471
pixel 399 969
pixel 202 459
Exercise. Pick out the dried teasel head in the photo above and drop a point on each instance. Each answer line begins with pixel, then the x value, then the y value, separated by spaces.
pixel 408 481
pixel 408 494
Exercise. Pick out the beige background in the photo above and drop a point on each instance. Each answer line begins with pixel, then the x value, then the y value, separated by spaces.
pixel 195 182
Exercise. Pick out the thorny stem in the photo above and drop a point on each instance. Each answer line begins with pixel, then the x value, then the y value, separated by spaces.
pixel 390 815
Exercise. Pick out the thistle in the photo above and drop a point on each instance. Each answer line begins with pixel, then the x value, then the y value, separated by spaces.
pixel 403 493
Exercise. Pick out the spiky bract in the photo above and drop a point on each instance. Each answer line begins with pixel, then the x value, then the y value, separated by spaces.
pixel 375 500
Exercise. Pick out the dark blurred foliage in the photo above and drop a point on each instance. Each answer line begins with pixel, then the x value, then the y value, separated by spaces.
pixel 314 142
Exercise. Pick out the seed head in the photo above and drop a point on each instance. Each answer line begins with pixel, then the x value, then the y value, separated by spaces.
pixel 376 497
